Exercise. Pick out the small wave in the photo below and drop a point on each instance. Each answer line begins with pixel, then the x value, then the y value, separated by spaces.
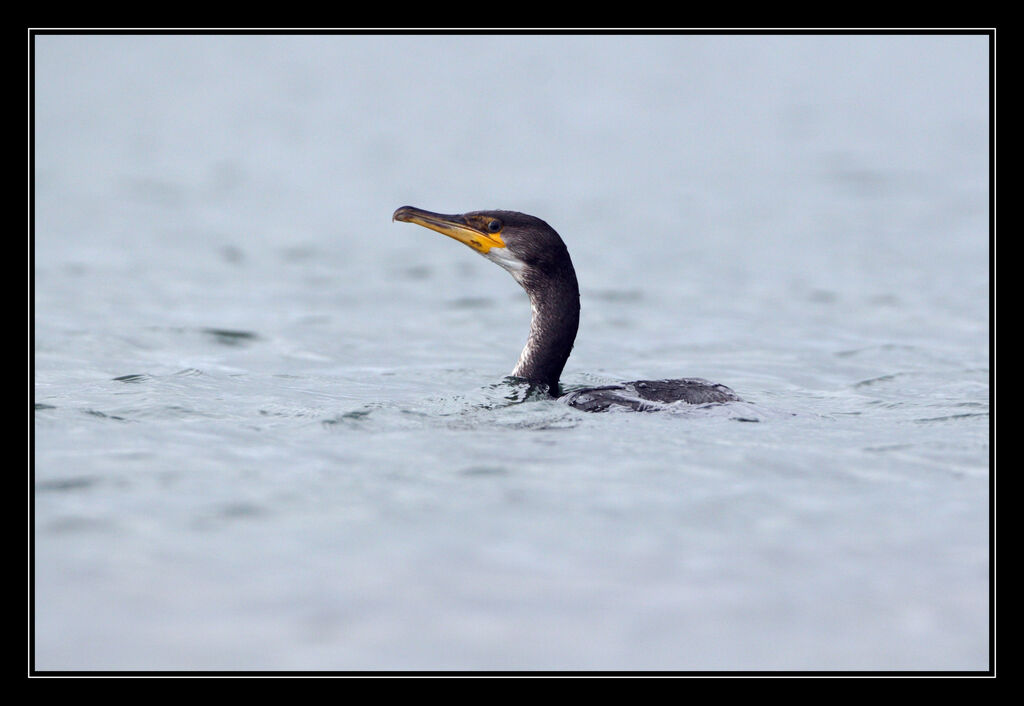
pixel 133 378
pixel 66 484
pixel 876 380
pixel 229 337
pixel 104 415
pixel 950 417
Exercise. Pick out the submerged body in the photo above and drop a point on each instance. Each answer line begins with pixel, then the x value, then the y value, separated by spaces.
pixel 649 395
pixel 535 255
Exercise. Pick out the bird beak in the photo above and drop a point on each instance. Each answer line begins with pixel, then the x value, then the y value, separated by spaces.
pixel 454 226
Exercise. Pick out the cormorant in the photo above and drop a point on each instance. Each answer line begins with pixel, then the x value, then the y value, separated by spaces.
pixel 536 257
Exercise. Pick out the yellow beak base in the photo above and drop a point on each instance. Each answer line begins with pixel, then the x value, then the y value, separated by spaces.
pixel 454 226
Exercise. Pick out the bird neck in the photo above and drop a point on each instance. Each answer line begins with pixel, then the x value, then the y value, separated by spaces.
pixel 555 301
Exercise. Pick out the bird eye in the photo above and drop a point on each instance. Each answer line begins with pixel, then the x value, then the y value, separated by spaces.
pixel 494 225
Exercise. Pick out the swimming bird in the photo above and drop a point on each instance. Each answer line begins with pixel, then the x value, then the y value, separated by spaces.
pixel 536 257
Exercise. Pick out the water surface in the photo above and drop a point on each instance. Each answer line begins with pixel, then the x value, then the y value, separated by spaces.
pixel 272 429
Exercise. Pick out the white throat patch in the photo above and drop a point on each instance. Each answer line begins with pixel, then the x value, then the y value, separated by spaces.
pixel 503 257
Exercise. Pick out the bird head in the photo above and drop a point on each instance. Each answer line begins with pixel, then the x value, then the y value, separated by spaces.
pixel 524 245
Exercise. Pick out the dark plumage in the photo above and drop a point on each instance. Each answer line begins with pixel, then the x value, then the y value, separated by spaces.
pixel 537 258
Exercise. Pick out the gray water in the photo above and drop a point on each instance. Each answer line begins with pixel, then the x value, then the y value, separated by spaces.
pixel 272 429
